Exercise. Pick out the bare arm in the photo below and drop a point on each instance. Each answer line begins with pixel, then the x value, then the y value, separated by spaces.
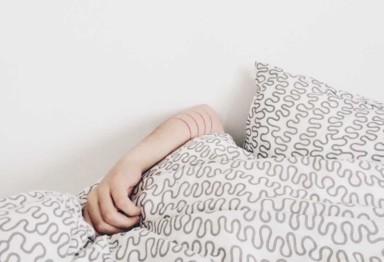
pixel 109 208
pixel 172 133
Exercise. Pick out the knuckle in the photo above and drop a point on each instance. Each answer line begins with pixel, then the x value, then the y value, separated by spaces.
pixel 91 195
pixel 120 202
pixel 105 214
pixel 100 189
pixel 101 227
pixel 109 217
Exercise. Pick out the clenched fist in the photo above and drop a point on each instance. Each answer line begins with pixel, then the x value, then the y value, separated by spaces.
pixel 109 208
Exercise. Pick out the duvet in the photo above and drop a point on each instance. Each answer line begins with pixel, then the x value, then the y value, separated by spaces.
pixel 211 200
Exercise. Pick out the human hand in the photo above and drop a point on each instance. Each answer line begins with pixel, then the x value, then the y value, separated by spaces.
pixel 109 208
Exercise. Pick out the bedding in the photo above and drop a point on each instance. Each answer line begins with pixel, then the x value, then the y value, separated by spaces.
pixel 211 200
pixel 297 115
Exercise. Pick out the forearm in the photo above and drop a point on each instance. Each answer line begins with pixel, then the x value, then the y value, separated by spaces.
pixel 109 208
pixel 172 133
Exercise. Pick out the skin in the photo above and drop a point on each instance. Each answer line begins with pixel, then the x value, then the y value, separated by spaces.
pixel 109 208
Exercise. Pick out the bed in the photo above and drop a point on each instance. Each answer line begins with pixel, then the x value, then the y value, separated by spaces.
pixel 286 195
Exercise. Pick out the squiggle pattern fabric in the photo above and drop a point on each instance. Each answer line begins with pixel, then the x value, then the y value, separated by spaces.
pixel 297 115
pixel 210 200
pixel 41 226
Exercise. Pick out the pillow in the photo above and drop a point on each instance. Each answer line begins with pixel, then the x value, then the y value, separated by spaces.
pixel 297 115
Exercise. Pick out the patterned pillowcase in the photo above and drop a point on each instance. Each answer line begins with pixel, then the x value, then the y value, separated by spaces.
pixel 297 115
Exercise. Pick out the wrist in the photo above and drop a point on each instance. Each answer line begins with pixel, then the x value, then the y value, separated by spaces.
pixel 129 160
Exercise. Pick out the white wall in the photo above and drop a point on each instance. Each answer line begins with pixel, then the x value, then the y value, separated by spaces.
pixel 83 81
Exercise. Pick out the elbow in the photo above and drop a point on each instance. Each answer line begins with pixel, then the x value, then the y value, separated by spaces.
pixel 217 126
pixel 203 106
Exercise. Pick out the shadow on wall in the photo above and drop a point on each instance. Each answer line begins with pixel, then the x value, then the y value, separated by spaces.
pixel 238 103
